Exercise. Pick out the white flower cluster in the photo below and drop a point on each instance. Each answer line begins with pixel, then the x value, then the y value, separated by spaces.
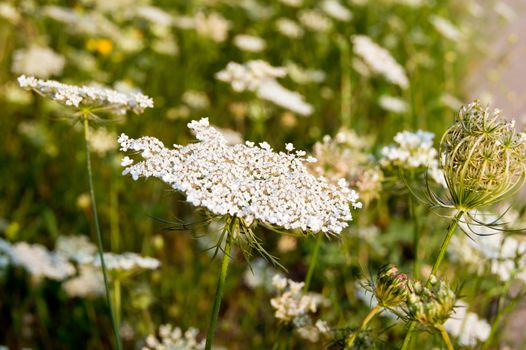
pixel 127 262
pixel 467 326
pixel 249 43
pixel 412 150
pixel 37 260
pixel 247 181
pixel 336 10
pixel 72 95
pixel 274 92
pixel 173 338
pixel 259 76
pixel 102 141
pixel 289 28
pixel 213 26
pixel 40 61
pixel 249 76
pixel 346 156
pixel 314 20
pixel 445 28
pixel 505 255
pixel 393 104
pixel 88 284
pixel 77 248
pixel 302 75
pixel 75 261
pixel 379 60
pixel 294 306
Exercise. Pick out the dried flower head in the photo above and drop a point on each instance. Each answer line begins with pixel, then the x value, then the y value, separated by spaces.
pixel 391 286
pixel 346 155
pixel 88 96
pixel 430 306
pixel 249 182
pixel 483 158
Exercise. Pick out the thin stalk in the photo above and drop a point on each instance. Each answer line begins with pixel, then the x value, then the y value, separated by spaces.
pixel 117 301
pixel 452 226
pixel 114 217
pixel 346 82
pixel 99 236
pixel 313 260
pixel 219 291
pixel 445 336
pixel 416 237
pixel 365 321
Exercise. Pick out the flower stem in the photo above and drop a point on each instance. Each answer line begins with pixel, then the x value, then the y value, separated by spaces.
pixel 416 237
pixel 369 317
pixel 117 301
pixel 452 226
pixel 219 290
pixel 99 236
pixel 345 84
pixel 445 336
pixel 313 260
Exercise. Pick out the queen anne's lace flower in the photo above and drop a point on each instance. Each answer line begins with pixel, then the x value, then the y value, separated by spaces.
pixel 380 60
pixel 467 326
pixel 173 338
pixel 39 61
pixel 246 181
pixel 294 306
pixel 412 150
pixel 259 76
pixel 92 96
pixel 127 262
pixel 249 76
pixel 37 260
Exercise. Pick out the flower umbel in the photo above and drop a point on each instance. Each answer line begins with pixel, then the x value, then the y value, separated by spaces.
pixel 252 183
pixel 430 306
pixel 483 157
pixel 88 96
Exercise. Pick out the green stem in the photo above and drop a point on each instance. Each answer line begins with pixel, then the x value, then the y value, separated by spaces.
pixel 114 217
pixel 416 237
pixel 219 291
pixel 117 301
pixel 365 321
pixel 313 260
pixel 345 85
pixel 452 226
pixel 97 231
pixel 445 336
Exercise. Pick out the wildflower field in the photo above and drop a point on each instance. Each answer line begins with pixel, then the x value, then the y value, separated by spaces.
pixel 249 174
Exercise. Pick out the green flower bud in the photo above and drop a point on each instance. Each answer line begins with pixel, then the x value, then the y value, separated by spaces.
pixel 430 306
pixel 391 286
pixel 483 158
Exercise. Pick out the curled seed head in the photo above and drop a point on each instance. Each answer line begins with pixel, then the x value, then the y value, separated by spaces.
pixel 483 157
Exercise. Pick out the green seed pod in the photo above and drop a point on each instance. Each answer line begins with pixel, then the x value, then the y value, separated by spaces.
pixel 483 158
pixel 391 286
